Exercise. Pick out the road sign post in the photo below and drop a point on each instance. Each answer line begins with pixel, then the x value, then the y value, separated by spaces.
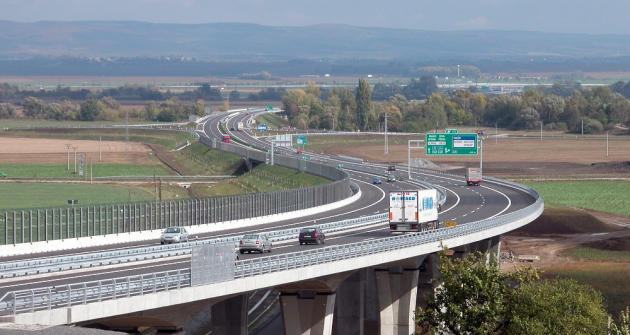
pixel 451 144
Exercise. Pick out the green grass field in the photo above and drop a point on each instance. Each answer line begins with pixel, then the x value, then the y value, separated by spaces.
pixel 39 195
pixel 603 196
pixel 59 170
pixel 597 254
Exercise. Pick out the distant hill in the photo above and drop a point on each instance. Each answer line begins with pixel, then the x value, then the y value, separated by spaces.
pixel 253 42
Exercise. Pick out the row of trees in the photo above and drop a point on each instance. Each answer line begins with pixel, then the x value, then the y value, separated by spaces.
pixel 594 109
pixel 139 92
pixel 475 297
pixel 104 109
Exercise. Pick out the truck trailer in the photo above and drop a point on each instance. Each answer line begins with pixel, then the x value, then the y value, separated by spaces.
pixel 239 126
pixel 473 176
pixel 413 211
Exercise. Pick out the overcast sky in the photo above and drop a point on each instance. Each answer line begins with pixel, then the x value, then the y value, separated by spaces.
pixel 564 16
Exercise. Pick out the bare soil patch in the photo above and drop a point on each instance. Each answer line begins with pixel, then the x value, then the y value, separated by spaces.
pixel 38 150
pixel 516 156
pixel 551 246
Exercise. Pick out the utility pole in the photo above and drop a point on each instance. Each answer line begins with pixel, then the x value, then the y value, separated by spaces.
pixel 386 141
pixel 127 133
pixel 68 145
pixel 75 159
pixel 100 138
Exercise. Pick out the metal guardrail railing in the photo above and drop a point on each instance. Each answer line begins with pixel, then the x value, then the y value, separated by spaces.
pixel 92 260
pixel 47 298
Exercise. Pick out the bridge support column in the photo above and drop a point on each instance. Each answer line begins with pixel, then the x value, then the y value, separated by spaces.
pixel 350 305
pixel 397 291
pixel 428 272
pixel 307 312
pixel 230 316
pixel 494 248
pixel 248 164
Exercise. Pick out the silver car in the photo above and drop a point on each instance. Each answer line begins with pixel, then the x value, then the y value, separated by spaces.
pixel 254 242
pixel 174 235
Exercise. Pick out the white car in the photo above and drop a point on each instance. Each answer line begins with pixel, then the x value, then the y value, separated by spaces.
pixel 254 242
pixel 174 235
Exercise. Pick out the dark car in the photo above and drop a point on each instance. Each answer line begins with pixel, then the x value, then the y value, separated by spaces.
pixel 377 180
pixel 312 235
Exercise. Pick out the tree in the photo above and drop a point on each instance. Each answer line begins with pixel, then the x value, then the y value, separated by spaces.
pixel 235 95
pixel 567 308
pixel 526 118
pixel 33 108
pixel 473 296
pixel 624 324
pixel 6 111
pixel 90 110
pixel 364 104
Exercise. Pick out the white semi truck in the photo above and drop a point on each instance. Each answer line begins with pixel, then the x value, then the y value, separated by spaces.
pixel 239 126
pixel 473 176
pixel 413 211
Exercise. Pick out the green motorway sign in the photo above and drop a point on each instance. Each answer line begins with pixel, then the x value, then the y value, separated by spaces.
pixel 450 131
pixel 300 140
pixel 451 144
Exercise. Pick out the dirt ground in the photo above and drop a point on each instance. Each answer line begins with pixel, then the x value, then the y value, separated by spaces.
pixel 518 157
pixel 550 248
pixel 37 150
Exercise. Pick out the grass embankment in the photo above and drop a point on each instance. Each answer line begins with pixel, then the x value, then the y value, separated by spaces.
pixel 201 160
pixel 272 120
pixel 263 178
pixel 562 220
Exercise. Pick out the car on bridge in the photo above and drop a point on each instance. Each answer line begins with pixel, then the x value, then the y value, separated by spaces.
pixel 391 177
pixel 377 180
pixel 174 235
pixel 254 242
pixel 312 235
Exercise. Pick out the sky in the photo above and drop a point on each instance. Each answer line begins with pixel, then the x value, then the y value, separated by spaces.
pixel 555 16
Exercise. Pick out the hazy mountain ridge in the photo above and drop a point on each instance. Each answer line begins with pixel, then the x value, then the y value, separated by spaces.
pixel 240 41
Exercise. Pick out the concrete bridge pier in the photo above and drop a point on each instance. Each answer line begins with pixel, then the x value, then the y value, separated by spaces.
pixel 308 307
pixel 397 288
pixel 349 313
pixel 229 317
pixel 307 312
